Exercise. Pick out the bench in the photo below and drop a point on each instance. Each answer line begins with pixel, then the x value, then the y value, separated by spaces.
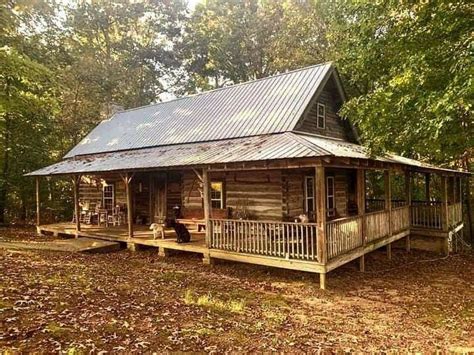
pixel 195 216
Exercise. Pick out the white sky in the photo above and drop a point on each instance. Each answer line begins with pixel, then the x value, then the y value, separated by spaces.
pixel 193 3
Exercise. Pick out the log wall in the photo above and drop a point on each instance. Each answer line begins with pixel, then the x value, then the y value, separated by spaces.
pixel 335 126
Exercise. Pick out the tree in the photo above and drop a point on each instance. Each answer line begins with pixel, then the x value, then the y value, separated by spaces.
pixel 27 102
pixel 230 41
pixel 120 55
pixel 407 67
pixel 408 70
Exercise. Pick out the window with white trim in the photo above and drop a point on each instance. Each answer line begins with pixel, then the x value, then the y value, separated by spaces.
pixel 108 197
pixel 309 194
pixel 330 196
pixel 217 194
pixel 321 115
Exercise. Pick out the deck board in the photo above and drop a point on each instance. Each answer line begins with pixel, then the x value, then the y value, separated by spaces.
pixel 143 236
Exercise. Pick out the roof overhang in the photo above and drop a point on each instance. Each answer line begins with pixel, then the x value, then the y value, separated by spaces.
pixel 265 149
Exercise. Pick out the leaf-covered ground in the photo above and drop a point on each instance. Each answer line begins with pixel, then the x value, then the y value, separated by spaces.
pixel 125 301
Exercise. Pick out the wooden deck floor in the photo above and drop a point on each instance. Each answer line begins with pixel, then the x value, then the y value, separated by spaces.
pixel 143 236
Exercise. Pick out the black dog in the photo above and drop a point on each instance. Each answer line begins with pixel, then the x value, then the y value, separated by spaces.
pixel 183 235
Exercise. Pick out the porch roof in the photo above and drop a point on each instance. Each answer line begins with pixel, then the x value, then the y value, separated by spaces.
pixel 288 145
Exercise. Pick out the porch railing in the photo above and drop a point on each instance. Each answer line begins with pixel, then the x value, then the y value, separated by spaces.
pixel 343 235
pixel 400 219
pixel 269 238
pixel 376 225
pixel 426 214
pixel 455 213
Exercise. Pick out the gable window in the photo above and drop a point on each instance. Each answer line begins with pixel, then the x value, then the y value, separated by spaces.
pixel 217 194
pixel 309 195
pixel 330 201
pixel 321 115
pixel 108 196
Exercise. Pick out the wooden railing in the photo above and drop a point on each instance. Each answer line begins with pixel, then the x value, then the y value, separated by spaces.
pixel 455 214
pixel 378 204
pixel 376 225
pixel 400 219
pixel 426 214
pixel 343 235
pixel 278 239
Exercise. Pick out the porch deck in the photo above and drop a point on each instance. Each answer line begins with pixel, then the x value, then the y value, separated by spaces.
pixel 142 236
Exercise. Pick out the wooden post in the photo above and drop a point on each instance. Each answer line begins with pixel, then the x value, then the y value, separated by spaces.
pixel 165 197
pixel 444 208
pixel 388 207
pixel 150 197
pixel 320 194
pixel 207 210
pixel 322 281
pixel 127 178
pixel 362 263
pixel 77 213
pixel 38 204
pixel 361 211
pixel 408 187
pixel 388 197
pixel 427 186
pixel 408 201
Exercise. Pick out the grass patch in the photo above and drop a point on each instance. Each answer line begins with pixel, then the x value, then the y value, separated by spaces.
pixel 5 305
pixel 57 331
pixel 213 303
pixel 172 276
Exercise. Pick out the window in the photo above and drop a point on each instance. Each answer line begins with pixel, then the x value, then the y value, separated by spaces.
pixel 108 196
pixel 309 194
pixel 321 115
pixel 217 193
pixel 330 204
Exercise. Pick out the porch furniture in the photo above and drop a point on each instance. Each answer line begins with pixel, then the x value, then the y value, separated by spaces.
pixel 117 217
pixel 195 216
pixel 102 217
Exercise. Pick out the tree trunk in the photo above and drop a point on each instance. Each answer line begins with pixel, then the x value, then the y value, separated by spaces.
pixel 6 161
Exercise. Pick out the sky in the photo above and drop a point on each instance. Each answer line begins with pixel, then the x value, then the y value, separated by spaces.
pixel 193 3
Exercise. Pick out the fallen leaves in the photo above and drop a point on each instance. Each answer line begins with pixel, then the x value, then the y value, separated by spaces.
pixel 138 302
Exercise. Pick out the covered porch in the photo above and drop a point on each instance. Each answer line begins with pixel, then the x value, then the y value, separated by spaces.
pixel 143 236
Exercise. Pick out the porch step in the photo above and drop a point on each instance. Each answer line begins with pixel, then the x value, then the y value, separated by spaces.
pixel 76 245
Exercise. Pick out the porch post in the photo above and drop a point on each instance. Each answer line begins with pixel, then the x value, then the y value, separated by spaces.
pixel 150 197
pixel 77 213
pixel 361 211
pixel 388 206
pixel 444 206
pixel 320 193
pixel 127 180
pixel 408 202
pixel 427 186
pixel 206 196
pixel 38 202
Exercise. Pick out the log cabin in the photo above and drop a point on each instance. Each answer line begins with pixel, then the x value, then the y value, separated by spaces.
pixel 266 171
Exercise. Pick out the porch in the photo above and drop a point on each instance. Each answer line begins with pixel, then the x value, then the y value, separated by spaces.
pixel 142 236
pixel 255 216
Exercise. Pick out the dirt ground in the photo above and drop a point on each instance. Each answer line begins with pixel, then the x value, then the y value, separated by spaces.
pixel 138 302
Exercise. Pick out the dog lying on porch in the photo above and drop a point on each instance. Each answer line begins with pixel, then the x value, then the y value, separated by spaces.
pixel 182 233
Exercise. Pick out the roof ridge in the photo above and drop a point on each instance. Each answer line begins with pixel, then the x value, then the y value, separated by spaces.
pixel 306 143
pixel 222 88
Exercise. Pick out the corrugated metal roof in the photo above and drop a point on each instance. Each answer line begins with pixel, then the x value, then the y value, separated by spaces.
pixel 264 106
pixel 257 148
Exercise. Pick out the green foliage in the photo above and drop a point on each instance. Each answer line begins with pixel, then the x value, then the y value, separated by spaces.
pixel 65 66
pixel 408 68
pixel 235 41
